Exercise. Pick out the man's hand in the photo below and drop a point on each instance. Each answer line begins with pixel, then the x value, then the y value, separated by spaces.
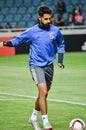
pixel 61 66
pixel 1 44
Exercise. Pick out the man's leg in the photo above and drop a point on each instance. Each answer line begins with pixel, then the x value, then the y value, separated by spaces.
pixel 41 102
pixel 33 118
pixel 37 104
pixel 43 93
pixel 41 105
pixel 42 98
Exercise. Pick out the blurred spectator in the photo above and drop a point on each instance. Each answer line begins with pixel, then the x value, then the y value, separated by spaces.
pixel 76 9
pixel 0 12
pixel 61 7
pixel 19 26
pixel 53 21
pixel 60 21
pixel 8 25
pixel 42 2
pixel 1 27
pixel 70 19
pixel 79 19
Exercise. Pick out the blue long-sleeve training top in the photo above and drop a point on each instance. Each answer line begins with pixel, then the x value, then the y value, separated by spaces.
pixel 44 44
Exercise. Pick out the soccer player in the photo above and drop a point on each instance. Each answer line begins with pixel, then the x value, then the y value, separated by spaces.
pixel 45 41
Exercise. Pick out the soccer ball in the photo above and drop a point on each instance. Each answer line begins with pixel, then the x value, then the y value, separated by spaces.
pixel 77 124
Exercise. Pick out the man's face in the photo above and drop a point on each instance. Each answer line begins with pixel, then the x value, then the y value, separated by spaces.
pixel 45 20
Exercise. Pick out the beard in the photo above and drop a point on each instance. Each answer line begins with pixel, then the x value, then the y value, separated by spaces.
pixel 44 26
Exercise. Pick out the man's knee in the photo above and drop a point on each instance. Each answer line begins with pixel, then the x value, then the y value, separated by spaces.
pixel 43 92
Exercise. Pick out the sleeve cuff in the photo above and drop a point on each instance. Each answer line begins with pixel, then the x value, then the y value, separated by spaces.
pixel 60 57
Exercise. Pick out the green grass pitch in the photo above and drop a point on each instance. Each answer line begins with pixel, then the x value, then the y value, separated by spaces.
pixel 66 100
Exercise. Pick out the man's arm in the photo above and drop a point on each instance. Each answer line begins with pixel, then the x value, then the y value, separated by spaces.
pixel 61 50
pixel 20 39
pixel 60 60
pixel 3 43
pixel 8 43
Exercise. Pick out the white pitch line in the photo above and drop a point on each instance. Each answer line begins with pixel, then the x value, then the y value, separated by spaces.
pixel 11 99
pixel 69 102
pixel 19 95
pixel 54 100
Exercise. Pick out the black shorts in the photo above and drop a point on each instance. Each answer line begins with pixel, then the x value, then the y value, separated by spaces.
pixel 43 75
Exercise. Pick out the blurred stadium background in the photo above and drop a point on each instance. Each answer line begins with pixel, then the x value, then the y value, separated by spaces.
pixel 24 12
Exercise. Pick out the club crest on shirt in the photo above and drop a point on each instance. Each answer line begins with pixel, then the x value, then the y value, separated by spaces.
pixel 51 35
pixel 37 36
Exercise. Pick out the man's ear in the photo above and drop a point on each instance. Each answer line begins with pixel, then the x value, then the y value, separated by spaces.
pixel 39 18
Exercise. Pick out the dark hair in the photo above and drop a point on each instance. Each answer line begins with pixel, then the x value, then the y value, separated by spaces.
pixel 44 10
